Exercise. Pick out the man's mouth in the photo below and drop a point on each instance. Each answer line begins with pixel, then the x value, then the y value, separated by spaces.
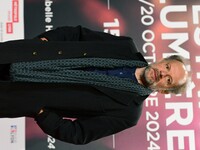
pixel 155 74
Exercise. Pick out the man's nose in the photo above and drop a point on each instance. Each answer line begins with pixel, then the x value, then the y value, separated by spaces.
pixel 163 74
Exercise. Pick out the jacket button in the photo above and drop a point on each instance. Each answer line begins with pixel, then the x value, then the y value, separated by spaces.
pixel 34 53
pixel 60 52
pixel 84 54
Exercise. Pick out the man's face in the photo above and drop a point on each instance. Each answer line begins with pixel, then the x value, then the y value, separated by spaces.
pixel 164 75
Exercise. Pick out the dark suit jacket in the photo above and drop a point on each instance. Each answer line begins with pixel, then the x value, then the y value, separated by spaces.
pixel 99 111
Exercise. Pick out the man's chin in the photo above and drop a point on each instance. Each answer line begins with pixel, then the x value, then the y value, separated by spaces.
pixel 144 78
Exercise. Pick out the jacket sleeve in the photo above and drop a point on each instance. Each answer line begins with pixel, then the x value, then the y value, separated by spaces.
pixel 78 33
pixel 80 131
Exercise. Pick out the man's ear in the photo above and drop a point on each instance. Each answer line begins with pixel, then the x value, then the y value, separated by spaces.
pixel 163 91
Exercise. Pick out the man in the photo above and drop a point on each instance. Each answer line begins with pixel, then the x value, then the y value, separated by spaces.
pixel 97 78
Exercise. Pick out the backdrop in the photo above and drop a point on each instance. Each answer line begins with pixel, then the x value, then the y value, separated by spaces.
pixel 158 27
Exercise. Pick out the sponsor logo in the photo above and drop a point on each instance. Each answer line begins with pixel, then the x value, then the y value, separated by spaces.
pixel 13 17
pixel 9 28
pixel 15 10
pixel 13 133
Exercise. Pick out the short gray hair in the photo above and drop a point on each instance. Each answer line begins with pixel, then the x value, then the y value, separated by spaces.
pixel 183 87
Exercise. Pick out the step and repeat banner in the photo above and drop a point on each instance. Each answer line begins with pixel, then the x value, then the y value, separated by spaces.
pixel 159 28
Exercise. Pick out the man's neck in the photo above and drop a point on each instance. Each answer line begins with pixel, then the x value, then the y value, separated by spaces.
pixel 138 73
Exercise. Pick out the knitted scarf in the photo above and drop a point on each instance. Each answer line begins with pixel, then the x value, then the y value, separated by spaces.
pixel 70 71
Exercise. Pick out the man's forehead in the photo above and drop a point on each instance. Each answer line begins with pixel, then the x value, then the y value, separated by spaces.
pixel 179 71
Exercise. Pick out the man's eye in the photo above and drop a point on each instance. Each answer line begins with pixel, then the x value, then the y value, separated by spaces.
pixel 167 66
